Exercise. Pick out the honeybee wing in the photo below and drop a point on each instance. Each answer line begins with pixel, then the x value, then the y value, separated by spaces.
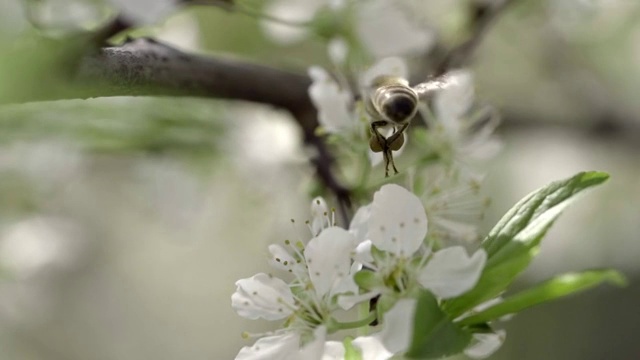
pixel 427 89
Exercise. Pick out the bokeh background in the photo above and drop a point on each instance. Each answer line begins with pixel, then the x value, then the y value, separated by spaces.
pixel 124 222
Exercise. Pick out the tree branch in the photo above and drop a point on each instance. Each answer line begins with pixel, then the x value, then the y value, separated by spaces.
pixel 145 67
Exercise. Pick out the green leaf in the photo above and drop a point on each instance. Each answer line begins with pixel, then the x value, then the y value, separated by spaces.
pixel 435 335
pixel 532 215
pixel 514 241
pixel 552 289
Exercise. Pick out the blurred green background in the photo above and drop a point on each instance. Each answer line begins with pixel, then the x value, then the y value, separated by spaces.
pixel 124 222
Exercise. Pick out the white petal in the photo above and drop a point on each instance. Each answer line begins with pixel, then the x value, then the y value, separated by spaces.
pixel 329 258
pixel 319 215
pixel 360 223
pixel 371 348
pixel 397 329
pixel 486 344
pixel 363 253
pixel 333 103
pixel 398 222
pixel 279 347
pixel 315 349
pixel 281 259
pixel 385 29
pixel 333 350
pixel 298 11
pixel 451 272
pixel 262 296
pixel 348 301
pixel 391 66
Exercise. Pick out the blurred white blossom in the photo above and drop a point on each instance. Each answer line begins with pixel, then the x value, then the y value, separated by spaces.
pixel 458 132
pixel 35 254
pixel 297 11
pixel 334 102
pixel 40 245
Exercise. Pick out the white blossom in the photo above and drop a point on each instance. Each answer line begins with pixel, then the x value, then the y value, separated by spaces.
pixel 321 270
pixel 334 102
pixel 289 347
pixel 398 222
pixel 398 226
pixel 454 204
pixel 263 296
pixel 451 272
pixel 459 133
pixel 297 11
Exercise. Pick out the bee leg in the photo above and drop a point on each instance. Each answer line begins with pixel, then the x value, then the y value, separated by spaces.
pixel 397 134
pixel 393 164
pixel 385 155
pixel 395 142
pixel 378 143
pixel 382 141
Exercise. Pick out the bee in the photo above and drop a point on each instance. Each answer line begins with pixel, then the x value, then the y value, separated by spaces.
pixel 393 102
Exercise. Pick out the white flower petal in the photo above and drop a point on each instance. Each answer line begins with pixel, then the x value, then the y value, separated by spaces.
pixel 288 10
pixel 486 344
pixel 281 259
pixel 397 330
pixel 328 257
pixel 319 215
pixel 262 296
pixel 279 347
pixel 371 348
pixel 391 66
pixel 360 223
pixel 363 253
pixel 398 222
pixel 313 350
pixel 348 301
pixel 333 350
pixel 333 103
pixel 451 272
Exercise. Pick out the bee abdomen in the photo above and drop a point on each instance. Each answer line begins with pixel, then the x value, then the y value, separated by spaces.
pixel 394 101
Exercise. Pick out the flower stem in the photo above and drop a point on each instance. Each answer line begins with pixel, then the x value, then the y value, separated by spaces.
pixel 335 325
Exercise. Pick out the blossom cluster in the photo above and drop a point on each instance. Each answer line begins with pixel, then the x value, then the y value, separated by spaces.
pixel 381 256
